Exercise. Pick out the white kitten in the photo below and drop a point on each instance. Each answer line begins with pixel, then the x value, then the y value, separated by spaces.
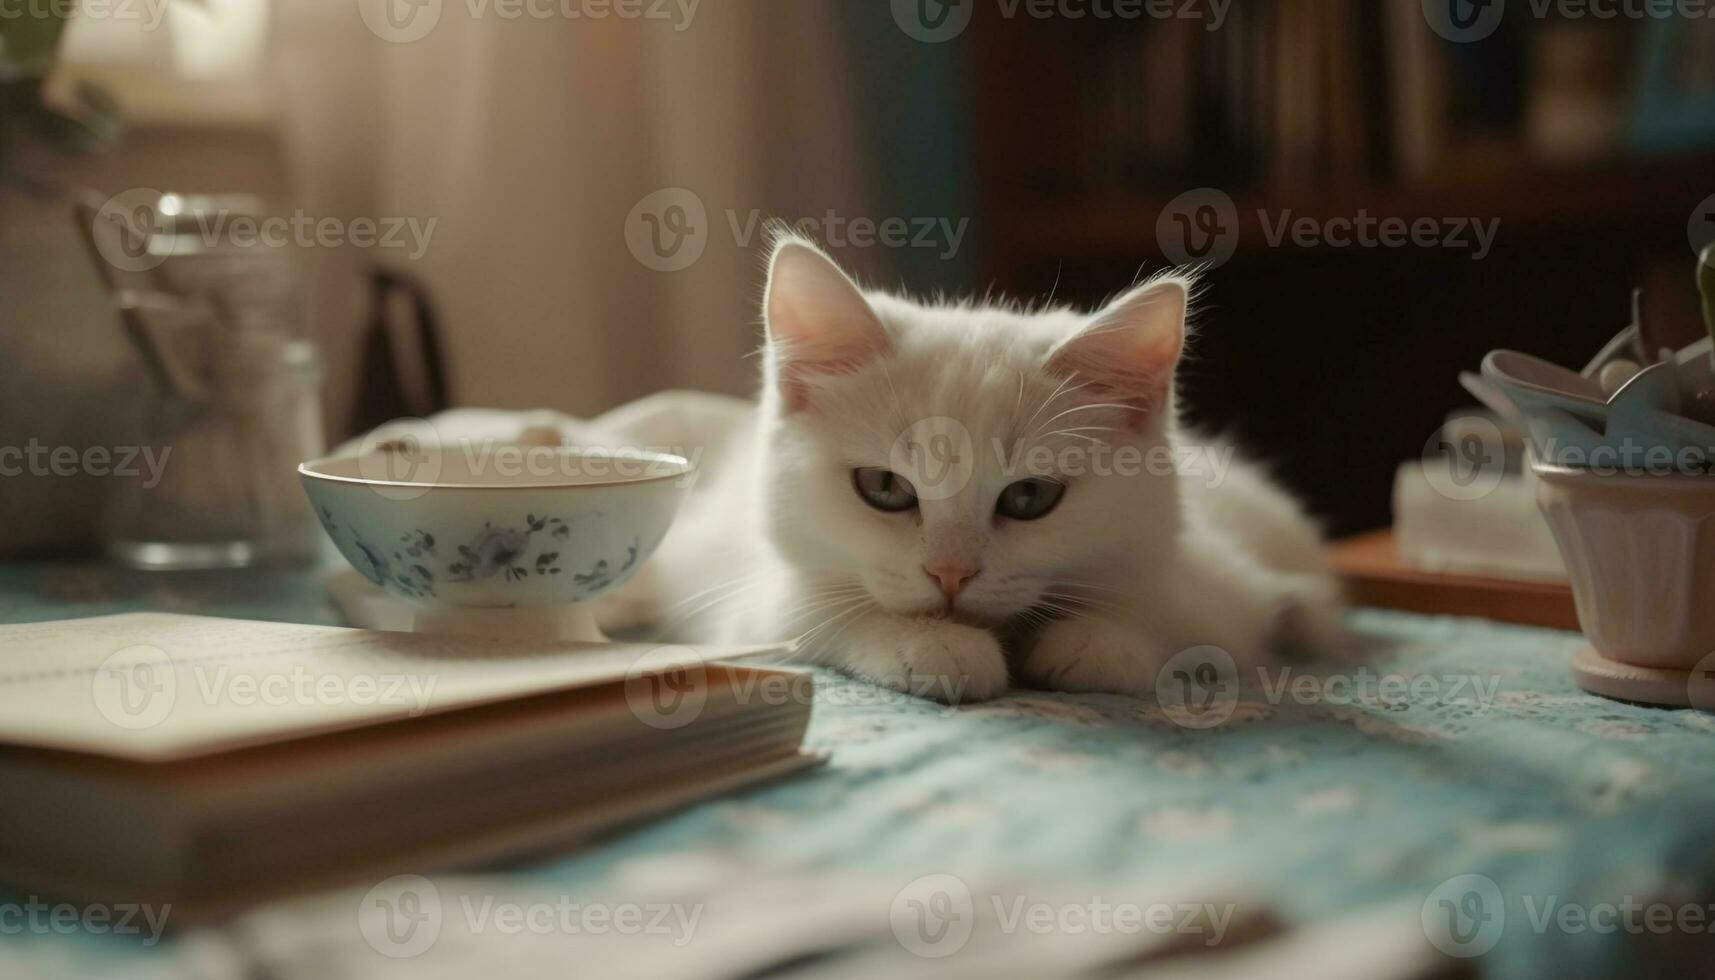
pixel 926 489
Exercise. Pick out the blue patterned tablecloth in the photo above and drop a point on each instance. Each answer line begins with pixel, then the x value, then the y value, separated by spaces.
pixel 1464 750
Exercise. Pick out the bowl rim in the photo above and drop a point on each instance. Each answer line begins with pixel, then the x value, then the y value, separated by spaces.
pixel 306 470
pixel 1556 473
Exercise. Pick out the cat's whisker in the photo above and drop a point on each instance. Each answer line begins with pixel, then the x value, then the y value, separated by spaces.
pixel 1085 408
pixel 1066 584
pixel 1087 602
pixel 804 646
pixel 818 646
pixel 898 408
pixel 745 579
pixel 1032 617
pixel 1048 401
pixel 748 579
pixel 808 596
pixel 850 616
pixel 733 591
pixel 804 610
pixel 1078 435
pixel 844 606
pixel 1079 598
pixel 1082 428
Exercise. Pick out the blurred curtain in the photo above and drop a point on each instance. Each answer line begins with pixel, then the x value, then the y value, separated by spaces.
pixel 529 141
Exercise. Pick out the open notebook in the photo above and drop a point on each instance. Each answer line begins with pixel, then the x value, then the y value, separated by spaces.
pixel 210 763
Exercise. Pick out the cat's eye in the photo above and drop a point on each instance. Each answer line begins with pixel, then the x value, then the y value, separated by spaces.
pixel 1029 500
pixel 884 489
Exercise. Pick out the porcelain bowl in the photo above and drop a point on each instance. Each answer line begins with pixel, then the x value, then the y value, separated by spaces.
pixel 509 528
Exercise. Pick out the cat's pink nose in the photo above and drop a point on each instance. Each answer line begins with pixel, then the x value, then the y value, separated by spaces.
pixel 951 575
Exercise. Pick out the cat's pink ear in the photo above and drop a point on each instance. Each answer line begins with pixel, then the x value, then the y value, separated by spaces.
pixel 1129 350
pixel 818 321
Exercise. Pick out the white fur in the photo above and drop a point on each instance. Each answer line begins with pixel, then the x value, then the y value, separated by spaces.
pixel 1130 568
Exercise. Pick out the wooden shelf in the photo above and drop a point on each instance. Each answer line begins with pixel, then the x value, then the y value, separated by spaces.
pixel 1646 194
pixel 1370 567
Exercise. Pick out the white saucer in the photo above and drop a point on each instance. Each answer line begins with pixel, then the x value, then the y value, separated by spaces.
pixel 1643 685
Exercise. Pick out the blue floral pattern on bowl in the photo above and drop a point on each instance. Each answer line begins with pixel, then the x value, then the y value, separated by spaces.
pixel 413 564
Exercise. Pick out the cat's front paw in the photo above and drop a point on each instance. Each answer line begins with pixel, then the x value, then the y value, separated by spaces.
pixel 1092 655
pixel 1310 621
pixel 947 662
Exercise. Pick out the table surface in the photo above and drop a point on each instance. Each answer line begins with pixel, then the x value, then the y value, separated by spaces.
pixel 1462 749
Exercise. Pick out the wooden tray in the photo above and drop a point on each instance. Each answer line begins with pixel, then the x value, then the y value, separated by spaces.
pixel 1369 564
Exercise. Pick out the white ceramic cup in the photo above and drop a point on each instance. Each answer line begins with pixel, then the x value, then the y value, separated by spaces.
pixel 1640 552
